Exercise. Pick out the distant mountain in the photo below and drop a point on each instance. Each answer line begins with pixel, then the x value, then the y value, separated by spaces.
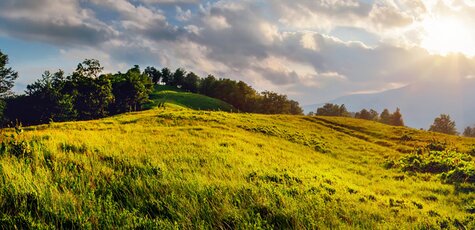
pixel 419 103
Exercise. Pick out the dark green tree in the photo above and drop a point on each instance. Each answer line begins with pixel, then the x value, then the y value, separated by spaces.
pixel 90 68
pixel 191 82
pixel 92 93
pixel 7 75
pixel 154 74
pixel 178 77
pixel 50 100
pixel 131 91
pixel 208 86
pixel 167 76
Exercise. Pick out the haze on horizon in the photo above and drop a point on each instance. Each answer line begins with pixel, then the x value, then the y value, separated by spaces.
pixel 312 50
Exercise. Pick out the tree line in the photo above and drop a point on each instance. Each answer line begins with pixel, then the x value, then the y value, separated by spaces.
pixel 441 124
pixel 83 95
pixel 87 93
pixel 237 93
pixel 444 124
pixel 385 117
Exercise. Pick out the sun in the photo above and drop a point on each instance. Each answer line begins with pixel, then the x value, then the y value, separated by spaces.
pixel 445 36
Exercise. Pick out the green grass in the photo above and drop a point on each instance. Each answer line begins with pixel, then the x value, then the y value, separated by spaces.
pixel 176 168
pixel 167 94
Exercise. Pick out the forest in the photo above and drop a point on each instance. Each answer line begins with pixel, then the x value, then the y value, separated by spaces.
pixel 88 93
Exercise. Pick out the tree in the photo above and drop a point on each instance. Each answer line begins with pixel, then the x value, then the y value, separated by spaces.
pixel 367 115
pixel 469 131
pixel 92 93
pixel 90 68
pixel 396 118
pixel 7 75
pixel 208 86
pixel 50 102
pixel 385 117
pixel 443 124
pixel 178 77
pixel 167 76
pixel 333 110
pixel 130 90
pixel 274 103
pixel 154 74
pixel 191 82
pixel 295 108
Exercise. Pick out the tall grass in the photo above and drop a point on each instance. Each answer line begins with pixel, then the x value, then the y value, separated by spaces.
pixel 172 168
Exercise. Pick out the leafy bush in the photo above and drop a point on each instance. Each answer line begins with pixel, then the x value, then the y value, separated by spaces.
pixel 16 147
pixel 454 167
pixel 436 145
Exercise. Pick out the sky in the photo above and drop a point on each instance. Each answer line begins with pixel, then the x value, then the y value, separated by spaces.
pixel 312 50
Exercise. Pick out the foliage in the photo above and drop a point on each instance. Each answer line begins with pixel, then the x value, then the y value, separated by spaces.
pixel 333 110
pixel 394 119
pixel 83 95
pixel 246 99
pixel 453 167
pixel 469 131
pixel 443 124
pixel 372 114
pixel 7 75
pixel 191 83
pixel 154 74
pixel 131 90
pixel 385 117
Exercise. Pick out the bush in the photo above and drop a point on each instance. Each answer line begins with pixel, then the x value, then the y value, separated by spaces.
pixel 454 167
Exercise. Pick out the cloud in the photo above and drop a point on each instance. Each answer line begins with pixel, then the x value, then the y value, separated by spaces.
pixel 171 2
pixel 287 46
pixel 58 22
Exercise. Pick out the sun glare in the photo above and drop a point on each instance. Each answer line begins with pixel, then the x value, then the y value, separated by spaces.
pixel 448 35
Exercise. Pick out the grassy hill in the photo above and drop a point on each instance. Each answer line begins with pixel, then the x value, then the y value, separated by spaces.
pixel 170 168
pixel 172 95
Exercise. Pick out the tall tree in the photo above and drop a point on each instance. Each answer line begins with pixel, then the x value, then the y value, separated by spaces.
pixel 443 124
pixel 178 77
pixel 208 86
pixel 50 102
pixel 191 82
pixel 295 108
pixel 469 131
pixel 90 68
pixel 131 90
pixel 92 93
pixel 385 117
pixel 154 74
pixel 7 75
pixel 396 118
pixel 167 76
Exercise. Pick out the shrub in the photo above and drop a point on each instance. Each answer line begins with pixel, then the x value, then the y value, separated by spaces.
pixel 454 167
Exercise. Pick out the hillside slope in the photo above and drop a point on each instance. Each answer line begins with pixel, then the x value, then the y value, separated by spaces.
pixel 167 94
pixel 173 168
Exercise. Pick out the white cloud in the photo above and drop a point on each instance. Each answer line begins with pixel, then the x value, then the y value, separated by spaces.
pixel 217 22
pixel 276 45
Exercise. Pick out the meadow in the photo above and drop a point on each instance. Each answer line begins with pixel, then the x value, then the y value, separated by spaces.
pixel 173 167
